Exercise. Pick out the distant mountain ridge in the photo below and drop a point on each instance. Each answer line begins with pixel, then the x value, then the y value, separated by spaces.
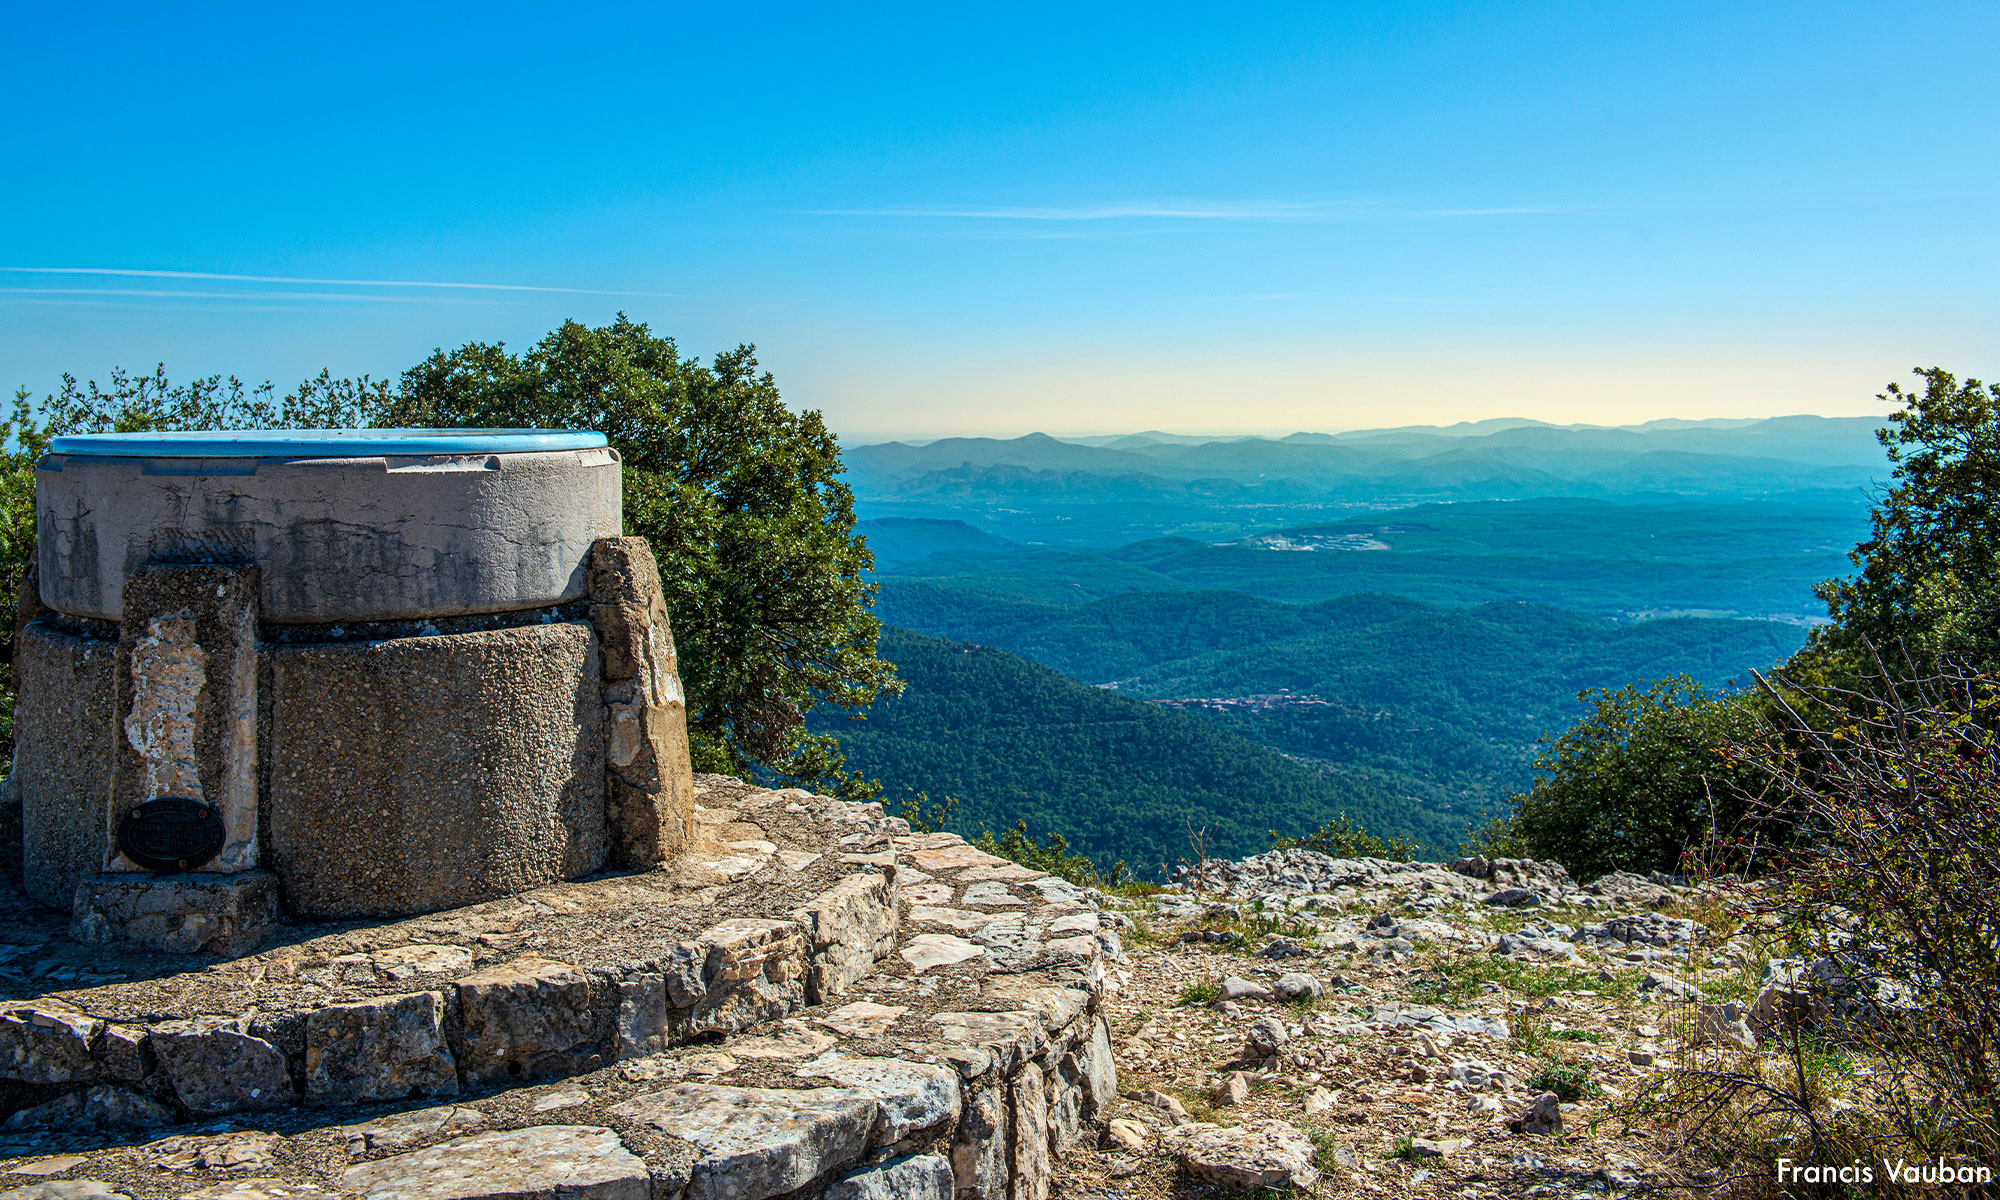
pixel 1103 490
pixel 1457 429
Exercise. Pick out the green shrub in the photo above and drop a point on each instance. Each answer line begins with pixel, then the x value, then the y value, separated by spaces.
pixel 1891 875
pixel 1052 855
pixel 1637 780
pixel 1194 995
pixel 1570 1081
pixel 1344 837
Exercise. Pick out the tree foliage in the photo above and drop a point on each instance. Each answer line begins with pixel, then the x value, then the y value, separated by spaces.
pixel 1638 779
pixel 1929 577
pixel 741 498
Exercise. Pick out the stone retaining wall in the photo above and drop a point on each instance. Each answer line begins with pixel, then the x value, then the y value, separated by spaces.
pixel 525 1019
pixel 840 1051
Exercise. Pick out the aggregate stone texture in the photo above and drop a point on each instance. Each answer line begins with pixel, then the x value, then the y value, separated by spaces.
pixel 388 1048
pixel 217 1066
pixel 514 1025
pixel 521 1019
pixel 426 773
pixel 62 762
pixel 49 1043
pixel 513 786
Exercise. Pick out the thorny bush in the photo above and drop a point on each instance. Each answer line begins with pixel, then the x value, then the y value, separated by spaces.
pixel 1883 801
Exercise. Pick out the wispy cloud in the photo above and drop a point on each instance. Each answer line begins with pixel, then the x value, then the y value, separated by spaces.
pixel 220 277
pixel 1220 211
pixel 171 293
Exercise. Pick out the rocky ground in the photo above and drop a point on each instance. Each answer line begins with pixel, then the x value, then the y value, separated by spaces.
pixel 1478 1028
pixel 1291 1022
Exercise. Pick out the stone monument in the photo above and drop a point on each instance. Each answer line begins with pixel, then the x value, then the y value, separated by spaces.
pixel 334 733
pixel 355 673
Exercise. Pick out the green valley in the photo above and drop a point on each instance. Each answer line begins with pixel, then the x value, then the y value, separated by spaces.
pixel 1120 777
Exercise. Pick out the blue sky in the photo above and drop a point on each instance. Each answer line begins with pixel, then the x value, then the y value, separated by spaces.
pixel 1079 219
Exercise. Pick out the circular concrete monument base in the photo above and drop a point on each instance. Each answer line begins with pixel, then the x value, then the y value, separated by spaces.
pixel 396 671
pixel 347 525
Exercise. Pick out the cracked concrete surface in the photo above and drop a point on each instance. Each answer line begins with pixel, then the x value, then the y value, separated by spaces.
pixel 361 539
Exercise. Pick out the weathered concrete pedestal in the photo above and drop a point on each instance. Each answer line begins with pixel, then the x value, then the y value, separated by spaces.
pixel 355 674
pixel 206 912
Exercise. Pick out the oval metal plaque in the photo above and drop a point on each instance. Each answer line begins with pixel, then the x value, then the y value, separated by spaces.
pixel 171 834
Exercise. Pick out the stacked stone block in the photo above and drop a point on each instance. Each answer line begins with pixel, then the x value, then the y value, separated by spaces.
pixel 976 1101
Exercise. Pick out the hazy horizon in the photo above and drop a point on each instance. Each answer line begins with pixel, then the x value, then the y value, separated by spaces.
pixel 1279 435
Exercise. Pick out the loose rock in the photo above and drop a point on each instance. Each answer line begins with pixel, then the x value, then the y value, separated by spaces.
pixel 1230 1088
pixel 1296 985
pixel 1268 1037
pixel 1237 988
pixel 1263 1154
pixel 1542 1117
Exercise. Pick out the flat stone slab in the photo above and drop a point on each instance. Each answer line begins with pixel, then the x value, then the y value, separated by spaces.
pixel 546 1162
pixel 928 950
pixel 951 918
pixel 757 1143
pixel 863 1018
pixel 66 1189
pixel 260 1189
pixel 399 1131
pixel 915 1097
pixel 946 856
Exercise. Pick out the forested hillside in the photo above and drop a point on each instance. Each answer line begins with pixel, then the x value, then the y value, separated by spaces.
pixel 1120 777
pixel 1394 695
